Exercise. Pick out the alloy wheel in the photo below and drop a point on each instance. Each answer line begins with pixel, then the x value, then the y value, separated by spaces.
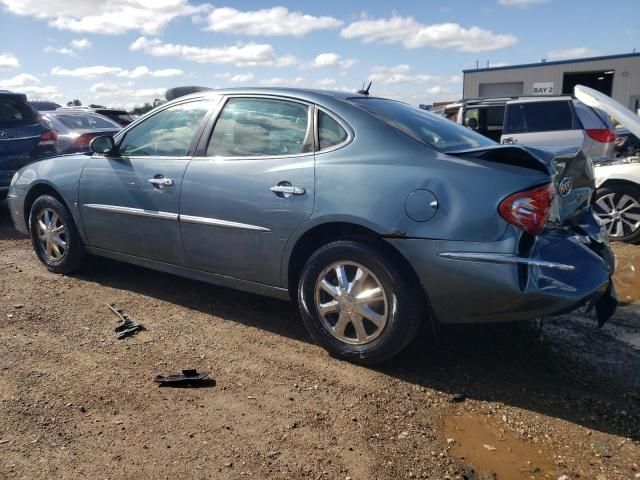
pixel 351 303
pixel 52 235
pixel 620 214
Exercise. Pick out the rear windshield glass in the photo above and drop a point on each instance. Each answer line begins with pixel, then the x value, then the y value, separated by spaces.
pixel 15 113
pixel 85 122
pixel 425 127
pixel 540 117
pixel 121 117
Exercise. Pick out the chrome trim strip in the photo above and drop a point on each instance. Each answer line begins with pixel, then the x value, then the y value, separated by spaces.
pixel 19 138
pixel 132 211
pixel 216 222
pixel 503 258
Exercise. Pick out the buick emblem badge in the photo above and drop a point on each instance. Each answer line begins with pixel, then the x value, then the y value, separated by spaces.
pixel 3 134
pixel 565 187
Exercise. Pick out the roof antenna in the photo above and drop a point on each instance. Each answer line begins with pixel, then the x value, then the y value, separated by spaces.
pixel 365 91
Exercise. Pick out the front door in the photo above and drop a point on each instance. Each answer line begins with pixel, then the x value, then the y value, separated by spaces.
pixel 243 199
pixel 130 201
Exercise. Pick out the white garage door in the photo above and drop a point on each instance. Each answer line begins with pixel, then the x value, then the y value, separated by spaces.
pixel 501 89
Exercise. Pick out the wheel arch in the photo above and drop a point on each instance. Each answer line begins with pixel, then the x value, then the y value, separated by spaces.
pixel 37 190
pixel 320 234
pixel 618 181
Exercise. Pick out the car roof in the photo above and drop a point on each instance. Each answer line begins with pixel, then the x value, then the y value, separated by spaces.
pixel 302 93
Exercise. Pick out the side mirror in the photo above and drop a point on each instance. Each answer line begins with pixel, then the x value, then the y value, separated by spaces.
pixel 103 145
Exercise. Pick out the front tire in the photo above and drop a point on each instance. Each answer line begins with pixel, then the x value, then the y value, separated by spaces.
pixel 618 206
pixel 359 304
pixel 54 235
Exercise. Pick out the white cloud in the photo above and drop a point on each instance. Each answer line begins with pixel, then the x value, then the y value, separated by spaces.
pixel 333 60
pixel 403 75
pixel 60 50
pixel 238 78
pixel 241 55
pixel 520 3
pixel 572 53
pixel 122 96
pixel 96 71
pixel 30 85
pixel 268 22
pixel 105 16
pixel 80 43
pixel 285 82
pixel 8 61
pixel 413 34
pixel 326 83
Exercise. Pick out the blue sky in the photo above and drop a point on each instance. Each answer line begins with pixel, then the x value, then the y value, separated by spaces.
pixel 126 52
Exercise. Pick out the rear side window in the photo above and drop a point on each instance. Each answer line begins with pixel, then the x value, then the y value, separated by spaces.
pixel 260 127
pixel 540 117
pixel 330 132
pixel 423 126
pixel 16 113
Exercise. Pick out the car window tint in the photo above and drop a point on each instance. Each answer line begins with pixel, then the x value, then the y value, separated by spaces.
pixel 15 113
pixel 540 117
pixel 249 127
pixel 85 122
pixel 432 130
pixel 330 132
pixel 167 133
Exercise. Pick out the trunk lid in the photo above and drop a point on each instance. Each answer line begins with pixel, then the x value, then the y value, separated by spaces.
pixel 599 100
pixel 570 171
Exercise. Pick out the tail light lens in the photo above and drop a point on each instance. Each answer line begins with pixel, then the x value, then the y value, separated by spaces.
pixel 83 140
pixel 529 209
pixel 601 135
pixel 48 138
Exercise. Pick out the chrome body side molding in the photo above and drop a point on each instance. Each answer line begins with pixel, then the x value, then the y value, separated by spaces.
pixel 503 258
pixel 216 222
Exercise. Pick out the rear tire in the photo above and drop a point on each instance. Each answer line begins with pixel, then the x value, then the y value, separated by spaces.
pixel 357 303
pixel 618 206
pixel 54 235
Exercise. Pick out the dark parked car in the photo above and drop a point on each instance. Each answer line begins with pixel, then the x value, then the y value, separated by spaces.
pixel 373 215
pixel 23 137
pixel 75 129
pixel 121 117
pixel 44 105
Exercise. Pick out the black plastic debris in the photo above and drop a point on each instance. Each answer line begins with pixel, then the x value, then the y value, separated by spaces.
pixel 188 378
pixel 128 325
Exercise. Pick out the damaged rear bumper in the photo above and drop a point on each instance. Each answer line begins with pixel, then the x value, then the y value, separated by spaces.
pixel 471 282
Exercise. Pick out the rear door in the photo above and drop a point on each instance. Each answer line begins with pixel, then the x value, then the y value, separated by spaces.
pixel 540 122
pixel 252 187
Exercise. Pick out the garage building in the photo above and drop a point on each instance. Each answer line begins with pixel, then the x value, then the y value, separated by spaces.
pixel 615 75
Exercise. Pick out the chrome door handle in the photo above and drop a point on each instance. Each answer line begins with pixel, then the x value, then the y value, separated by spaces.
pixel 161 182
pixel 287 190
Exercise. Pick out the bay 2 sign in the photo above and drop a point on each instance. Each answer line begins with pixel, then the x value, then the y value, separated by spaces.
pixel 543 88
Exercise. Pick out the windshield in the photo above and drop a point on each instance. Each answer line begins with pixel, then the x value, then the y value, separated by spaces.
pixel 425 127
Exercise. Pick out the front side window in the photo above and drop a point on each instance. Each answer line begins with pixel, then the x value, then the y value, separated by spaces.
pixel 330 132
pixel 250 127
pixel 545 116
pixel 423 126
pixel 167 133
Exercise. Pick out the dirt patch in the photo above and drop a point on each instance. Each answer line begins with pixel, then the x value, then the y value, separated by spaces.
pixel 77 403
pixel 627 276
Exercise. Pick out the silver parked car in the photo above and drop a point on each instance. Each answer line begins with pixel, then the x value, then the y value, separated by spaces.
pixel 75 129
pixel 373 215
pixel 548 121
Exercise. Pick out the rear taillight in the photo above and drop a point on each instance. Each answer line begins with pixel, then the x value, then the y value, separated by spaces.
pixel 48 138
pixel 529 209
pixel 83 140
pixel 601 135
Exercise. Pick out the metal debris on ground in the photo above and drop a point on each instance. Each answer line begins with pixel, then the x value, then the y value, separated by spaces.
pixel 188 378
pixel 128 326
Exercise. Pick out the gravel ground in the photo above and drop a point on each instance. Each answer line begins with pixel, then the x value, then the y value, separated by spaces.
pixel 75 403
